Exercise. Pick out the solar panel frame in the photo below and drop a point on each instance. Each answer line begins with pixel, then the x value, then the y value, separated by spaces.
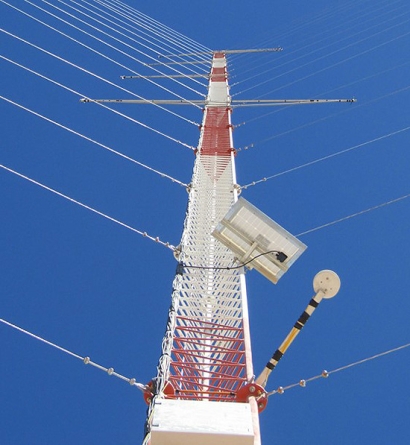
pixel 248 232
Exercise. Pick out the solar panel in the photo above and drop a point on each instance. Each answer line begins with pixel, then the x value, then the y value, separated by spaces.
pixel 258 241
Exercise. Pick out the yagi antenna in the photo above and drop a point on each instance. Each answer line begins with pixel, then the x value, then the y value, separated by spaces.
pixel 326 284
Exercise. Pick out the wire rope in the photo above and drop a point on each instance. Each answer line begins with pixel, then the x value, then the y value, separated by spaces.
pixel 275 111
pixel 104 80
pixel 167 44
pixel 343 60
pixel 105 147
pixel 315 43
pixel 170 40
pixel 80 68
pixel 321 95
pixel 85 360
pixel 324 158
pixel 172 37
pixel 308 124
pixel 307 22
pixel 338 50
pixel 117 40
pixel 252 67
pixel 298 26
pixel 345 25
pixel 325 374
pixel 110 46
pixel 177 35
pixel 353 215
pixel 144 45
pixel 85 206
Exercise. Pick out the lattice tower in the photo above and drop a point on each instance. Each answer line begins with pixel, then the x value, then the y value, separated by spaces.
pixel 206 350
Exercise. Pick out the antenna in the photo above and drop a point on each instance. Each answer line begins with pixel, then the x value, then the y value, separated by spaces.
pixel 326 284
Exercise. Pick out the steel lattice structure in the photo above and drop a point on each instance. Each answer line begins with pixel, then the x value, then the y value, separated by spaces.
pixel 206 350
pixel 209 339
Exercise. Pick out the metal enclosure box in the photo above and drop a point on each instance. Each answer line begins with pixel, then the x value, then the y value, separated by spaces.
pixel 188 422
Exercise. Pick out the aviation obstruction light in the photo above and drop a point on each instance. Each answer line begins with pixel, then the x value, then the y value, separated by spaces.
pixel 257 241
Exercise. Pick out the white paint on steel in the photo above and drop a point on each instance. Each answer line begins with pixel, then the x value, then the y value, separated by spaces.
pixel 207 293
pixel 181 422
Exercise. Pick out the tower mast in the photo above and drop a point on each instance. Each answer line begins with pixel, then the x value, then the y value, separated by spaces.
pixel 206 351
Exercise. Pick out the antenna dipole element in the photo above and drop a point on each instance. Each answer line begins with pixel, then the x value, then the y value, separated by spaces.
pixel 326 284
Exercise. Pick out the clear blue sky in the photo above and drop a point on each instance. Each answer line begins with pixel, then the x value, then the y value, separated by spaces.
pixel 103 291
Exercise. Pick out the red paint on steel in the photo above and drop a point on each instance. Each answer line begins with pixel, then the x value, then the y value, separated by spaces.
pixel 253 390
pixel 218 75
pixel 208 361
pixel 216 139
pixel 148 392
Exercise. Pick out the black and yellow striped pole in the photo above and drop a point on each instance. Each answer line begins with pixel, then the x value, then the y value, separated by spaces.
pixel 326 284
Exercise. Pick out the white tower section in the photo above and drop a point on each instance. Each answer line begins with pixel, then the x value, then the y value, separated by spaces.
pixel 206 352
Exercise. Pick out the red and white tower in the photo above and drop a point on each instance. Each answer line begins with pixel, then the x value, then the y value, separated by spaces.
pixel 205 391
pixel 206 351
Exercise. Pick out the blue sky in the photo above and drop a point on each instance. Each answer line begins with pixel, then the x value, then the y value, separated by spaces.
pixel 103 291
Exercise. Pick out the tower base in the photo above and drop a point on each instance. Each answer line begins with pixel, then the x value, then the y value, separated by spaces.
pixel 187 422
